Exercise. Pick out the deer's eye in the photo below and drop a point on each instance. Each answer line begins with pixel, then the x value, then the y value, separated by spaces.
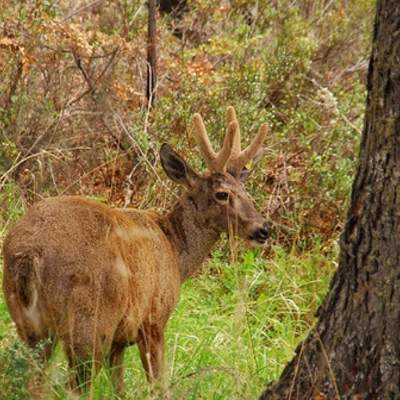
pixel 222 197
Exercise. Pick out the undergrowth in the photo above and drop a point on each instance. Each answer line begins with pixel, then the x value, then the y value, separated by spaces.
pixel 73 117
pixel 73 120
pixel 235 327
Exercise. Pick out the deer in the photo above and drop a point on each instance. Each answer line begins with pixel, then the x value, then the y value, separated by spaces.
pixel 98 279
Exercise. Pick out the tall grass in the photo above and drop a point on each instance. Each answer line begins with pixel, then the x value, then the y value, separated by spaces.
pixel 235 327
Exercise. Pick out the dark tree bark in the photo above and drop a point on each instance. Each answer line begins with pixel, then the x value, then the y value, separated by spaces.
pixel 354 350
pixel 151 54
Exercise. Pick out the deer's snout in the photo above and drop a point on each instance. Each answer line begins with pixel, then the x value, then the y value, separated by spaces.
pixel 260 234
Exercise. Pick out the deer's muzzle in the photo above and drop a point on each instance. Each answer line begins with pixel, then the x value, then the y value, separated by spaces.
pixel 260 235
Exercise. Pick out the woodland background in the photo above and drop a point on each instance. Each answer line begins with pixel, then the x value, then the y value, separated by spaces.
pixel 73 120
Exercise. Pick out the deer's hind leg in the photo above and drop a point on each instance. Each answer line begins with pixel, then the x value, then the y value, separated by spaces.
pixel 42 350
pixel 151 348
pixel 117 368
pixel 86 334
pixel 84 363
pixel 87 348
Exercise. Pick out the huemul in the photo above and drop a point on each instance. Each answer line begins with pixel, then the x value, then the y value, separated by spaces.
pixel 99 279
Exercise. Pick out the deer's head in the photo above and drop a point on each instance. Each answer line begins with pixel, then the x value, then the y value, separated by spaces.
pixel 219 196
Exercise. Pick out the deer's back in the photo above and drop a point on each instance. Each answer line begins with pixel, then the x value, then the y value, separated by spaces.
pixel 72 261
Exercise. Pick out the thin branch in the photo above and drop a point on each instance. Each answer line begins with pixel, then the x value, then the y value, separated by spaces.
pixel 93 88
pixel 78 63
pixel 145 159
pixel 81 9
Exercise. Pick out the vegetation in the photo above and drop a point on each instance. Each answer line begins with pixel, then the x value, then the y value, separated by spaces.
pixel 73 119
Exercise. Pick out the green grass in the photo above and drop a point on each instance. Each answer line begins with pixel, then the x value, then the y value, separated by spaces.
pixel 235 327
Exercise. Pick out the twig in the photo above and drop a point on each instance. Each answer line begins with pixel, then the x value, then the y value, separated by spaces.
pixel 134 16
pixel 90 172
pixel 206 370
pixel 296 371
pixel 78 63
pixel 93 88
pixel 79 10
pixel 4 177
pixel 130 136
pixel 336 109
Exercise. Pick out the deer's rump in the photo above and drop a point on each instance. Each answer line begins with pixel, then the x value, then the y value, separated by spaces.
pixel 81 271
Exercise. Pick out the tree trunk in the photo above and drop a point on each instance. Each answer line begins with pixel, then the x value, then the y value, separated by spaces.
pixel 354 350
pixel 151 54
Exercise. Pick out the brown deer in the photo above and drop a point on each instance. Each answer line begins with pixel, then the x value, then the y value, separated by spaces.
pixel 99 279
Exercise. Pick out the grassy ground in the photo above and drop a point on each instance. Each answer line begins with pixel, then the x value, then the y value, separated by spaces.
pixel 235 327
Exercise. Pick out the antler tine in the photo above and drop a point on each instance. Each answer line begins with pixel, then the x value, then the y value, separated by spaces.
pixel 251 150
pixel 203 141
pixel 237 163
pixel 226 152
pixel 231 154
pixel 231 117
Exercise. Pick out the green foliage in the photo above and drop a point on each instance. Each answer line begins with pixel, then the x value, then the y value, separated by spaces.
pixel 13 368
pixel 73 120
pixel 274 72
pixel 235 327
pixel 75 102
pixel 11 203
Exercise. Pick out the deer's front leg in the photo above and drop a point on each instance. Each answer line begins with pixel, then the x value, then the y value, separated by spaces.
pixel 151 347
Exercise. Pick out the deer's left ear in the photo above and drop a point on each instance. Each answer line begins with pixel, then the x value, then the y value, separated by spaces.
pixel 176 167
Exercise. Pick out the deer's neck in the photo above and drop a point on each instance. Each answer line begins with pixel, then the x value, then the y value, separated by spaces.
pixel 190 234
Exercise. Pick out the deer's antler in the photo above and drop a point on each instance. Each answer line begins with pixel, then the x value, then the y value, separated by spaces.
pixel 231 157
pixel 216 162
pixel 240 158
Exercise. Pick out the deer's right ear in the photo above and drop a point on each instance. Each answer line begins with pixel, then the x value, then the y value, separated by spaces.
pixel 176 167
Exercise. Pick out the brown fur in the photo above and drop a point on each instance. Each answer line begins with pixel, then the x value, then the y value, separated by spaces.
pixel 99 279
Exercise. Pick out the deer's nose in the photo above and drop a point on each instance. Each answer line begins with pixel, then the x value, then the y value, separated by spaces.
pixel 261 234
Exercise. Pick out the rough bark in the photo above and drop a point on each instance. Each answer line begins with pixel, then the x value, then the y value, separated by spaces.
pixel 354 350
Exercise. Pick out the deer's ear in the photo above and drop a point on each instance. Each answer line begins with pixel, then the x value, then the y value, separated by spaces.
pixel 176 167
